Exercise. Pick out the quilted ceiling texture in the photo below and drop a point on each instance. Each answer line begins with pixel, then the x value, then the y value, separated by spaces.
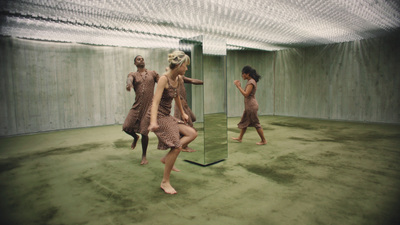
pixel 240 24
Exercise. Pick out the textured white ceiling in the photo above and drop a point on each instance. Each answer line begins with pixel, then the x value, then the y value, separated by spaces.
pixel 255 24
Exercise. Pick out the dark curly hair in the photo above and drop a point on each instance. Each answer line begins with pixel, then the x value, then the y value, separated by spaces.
pixel 253 73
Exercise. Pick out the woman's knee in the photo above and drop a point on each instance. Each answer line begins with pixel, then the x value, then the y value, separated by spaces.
pixel 176 150
pixel 193 134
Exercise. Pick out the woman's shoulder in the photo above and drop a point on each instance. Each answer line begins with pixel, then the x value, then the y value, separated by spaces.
pixel 163 79
pixel 252 81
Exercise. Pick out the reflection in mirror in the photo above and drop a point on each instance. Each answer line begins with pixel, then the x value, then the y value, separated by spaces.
pixel 215 115
pixel 195 96
pixel 208 101
pixel 215 136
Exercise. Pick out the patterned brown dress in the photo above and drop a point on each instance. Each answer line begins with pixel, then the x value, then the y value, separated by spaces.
pixel 185 106
pixel 250 117
pixel 144 91
pixel 168 131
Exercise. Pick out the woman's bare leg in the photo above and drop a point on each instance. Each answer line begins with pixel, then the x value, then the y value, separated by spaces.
pixel 170 159
pixel 188 149
pixel 173 167
pixel 242 131
pixel 261 134
pixel 189 134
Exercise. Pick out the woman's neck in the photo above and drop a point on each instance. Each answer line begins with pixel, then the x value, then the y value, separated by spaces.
pixel 172 75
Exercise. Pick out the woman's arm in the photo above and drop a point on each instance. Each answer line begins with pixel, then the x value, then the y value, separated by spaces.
pixel 178 102
pixel 246 92
pixel 162 82
pixel 192 80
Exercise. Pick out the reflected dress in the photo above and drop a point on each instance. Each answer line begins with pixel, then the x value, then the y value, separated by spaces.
pixel 185 106
pixel 144 91
pixel 168 131
pixel 250 117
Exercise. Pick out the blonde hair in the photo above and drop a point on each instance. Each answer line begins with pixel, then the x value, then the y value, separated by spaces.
pixel 177 58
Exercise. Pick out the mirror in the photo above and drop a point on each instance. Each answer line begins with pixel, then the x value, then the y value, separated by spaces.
pixel 195 96
pixel 215 114
pixel 208 101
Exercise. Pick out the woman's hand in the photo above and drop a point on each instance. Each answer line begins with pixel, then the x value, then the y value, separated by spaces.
pixel 153 127
pixel 185 117
pixel 237 83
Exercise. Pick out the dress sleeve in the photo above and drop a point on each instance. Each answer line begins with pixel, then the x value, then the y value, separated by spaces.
pixel 156 76
pixel 253 82
pixel 130 76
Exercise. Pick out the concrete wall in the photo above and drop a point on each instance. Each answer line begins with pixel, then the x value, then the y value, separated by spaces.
pixel 355 81
pixel 50 86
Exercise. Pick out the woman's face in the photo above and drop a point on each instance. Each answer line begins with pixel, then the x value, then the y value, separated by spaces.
pixel 245 76
pixel 182 69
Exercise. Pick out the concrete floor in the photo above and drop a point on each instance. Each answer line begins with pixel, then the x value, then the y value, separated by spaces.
pixel 310 172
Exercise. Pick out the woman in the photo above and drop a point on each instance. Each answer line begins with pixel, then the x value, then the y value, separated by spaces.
pixel 249 117
pixel 172 133
pixel 182 93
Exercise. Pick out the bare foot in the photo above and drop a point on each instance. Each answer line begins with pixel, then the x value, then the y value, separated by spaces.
pixel 135 140
pixel 262 143
pixel 237 139
pixel 168 188
pixel 144 161
pixel 188 149
pixel 173 167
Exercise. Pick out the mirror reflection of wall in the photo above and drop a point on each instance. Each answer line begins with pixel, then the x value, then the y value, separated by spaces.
pixel 215 100
pixel 215 115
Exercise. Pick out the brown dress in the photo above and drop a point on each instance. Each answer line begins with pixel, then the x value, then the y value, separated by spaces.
pixel 250 117
pixel 143 84
pixel 185 106
pixel 168 131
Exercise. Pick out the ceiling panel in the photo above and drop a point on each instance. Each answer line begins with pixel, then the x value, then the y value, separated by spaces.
pixel 254 24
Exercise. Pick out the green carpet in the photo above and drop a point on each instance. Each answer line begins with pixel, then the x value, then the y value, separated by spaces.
pixel 310 172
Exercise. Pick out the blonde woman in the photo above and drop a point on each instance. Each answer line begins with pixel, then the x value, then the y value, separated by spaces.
pixel 172 133
pixel 182 92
